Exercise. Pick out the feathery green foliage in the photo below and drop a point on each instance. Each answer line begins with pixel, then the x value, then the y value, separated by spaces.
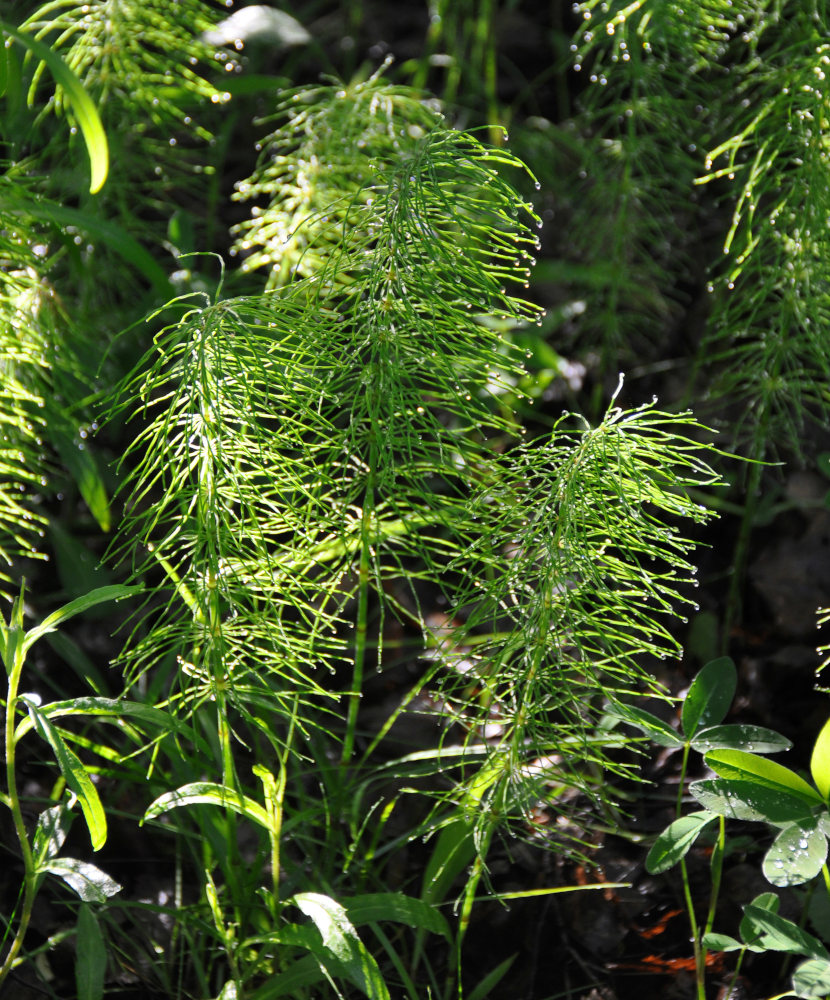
pixel 24 352
pixel 775 275
pixel 581 572
pixel 324 480
pixel 332 142
pixel 135 59
pixel 308 440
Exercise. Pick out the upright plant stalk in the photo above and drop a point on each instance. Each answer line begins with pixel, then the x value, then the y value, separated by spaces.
pixel 694 927
pixel 14 659
pixel 362 618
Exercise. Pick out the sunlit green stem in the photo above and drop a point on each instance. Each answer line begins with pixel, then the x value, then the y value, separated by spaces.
pixel 218 669
pixel 716 867
pixel 466 913
pixel 362 623
pixel 29 876
pixel 682 783
pixel 700 957
pixel 274 790
pixel 700 966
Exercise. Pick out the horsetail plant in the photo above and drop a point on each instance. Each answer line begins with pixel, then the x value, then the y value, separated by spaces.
pixel 316 462
pixel 313 456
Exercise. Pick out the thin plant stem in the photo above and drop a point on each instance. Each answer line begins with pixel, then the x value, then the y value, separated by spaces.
pixel 733 599
pixel 699 954
pixel 700 968
pixel 29 875
pixel 466 912
pixel 361 625
pixel 716 867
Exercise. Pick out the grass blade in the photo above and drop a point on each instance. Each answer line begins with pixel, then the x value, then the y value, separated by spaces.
pixel 81 102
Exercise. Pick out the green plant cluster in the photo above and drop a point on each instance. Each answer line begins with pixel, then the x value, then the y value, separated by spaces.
pixel 322 493
pixel 751 788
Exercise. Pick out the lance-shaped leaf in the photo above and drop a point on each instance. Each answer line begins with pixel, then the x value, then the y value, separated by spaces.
pixel 91 884
pixel 80 101
pixel 748 800
pixel 114 592
pixel 395 906
pixel 341 942
pixel 653 727
pixel 753 739
pixel 208 793
pixel 113 707
pixel 74 774
pixel 779 934
pixel 50 833
pixel 91 961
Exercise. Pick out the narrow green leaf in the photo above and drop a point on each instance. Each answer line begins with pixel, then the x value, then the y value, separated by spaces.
pixel 83 467
pixel 656 729
pixel 12 643
pixel 91 956
pixel 82 105
pixel 748 800
pixel 753 739
pixel 341 941
pixel 102 230
pixel 484 988
pixel 74 774
pixel 114 592
pixel 811 980
pixel 4 66
pixel 208 793
pixel 820 760
pixel 749 767
pixel 780 934
pixel 304 972
pixel 395 906
pixel 674 842
pixel 114 707
pixel 453 851
pixel 550 891
pixel 11 632
pixel 796 855
pixel 709 696
pixel 90 883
